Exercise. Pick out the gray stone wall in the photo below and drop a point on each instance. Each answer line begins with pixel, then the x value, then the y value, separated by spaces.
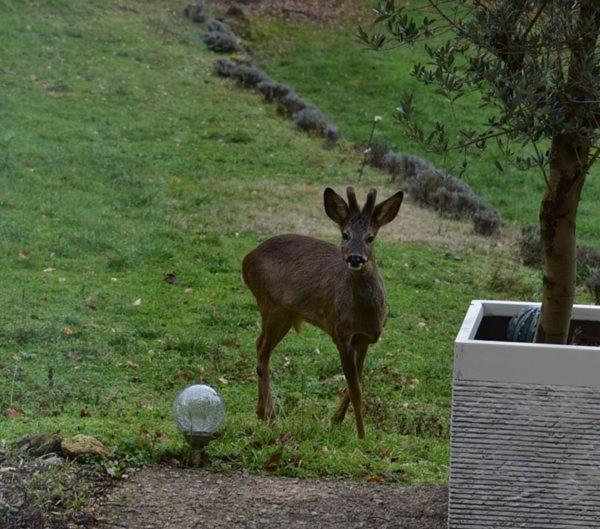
pixel 524 456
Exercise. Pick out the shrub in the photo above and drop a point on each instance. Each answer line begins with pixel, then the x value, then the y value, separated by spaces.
pixel 220 42
pixel 587 257
pixel 486 222
pixel 593 284
pixel 444 193
pixel 272 90
pixel 332 135
pixel 195 12
pixel 530 245
pixel 405 166
pixel 310 119
pixel 226 68
pixel 292 103
pixel 251 76
pixel 217 25
pixel 377 151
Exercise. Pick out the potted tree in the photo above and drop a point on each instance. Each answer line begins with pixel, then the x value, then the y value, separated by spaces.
pixel 525 434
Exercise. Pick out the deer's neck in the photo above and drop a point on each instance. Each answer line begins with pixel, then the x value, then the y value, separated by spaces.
pixel 367 288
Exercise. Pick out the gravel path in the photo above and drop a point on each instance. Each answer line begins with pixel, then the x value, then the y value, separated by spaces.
pixel 170 498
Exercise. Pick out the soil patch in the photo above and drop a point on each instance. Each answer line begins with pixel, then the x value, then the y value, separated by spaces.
pixel 172 498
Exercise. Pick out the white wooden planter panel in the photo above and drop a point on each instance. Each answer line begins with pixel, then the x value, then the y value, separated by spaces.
pixel 525 430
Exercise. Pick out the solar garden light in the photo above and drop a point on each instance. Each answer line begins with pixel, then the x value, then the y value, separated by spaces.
pixel 198 412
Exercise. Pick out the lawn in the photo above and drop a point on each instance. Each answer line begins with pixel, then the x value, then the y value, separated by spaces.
pixel 352 84
pixel 124 159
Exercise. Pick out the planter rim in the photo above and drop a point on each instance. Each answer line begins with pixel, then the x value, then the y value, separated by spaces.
pixel 518 362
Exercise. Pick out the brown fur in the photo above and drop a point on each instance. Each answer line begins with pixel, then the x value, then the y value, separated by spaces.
pixel 295 278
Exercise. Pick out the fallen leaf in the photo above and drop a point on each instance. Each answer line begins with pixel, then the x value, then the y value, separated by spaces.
pixel 172 279
pixel 337 378
pixel 287 436
pixel 133 364
pixel 271 463
pixel 84 413
pixel 296 461
pixel 189 290
pixel 44 298
pixel 23 254
pixel 68 330
pixel 223 380
pixel 14 412
pixel 113 279
pixel 62 279
pixel 49 269
pixel 375 479
pixel 90 304
pixel 229 343
pixel 137 302
pixel 144 433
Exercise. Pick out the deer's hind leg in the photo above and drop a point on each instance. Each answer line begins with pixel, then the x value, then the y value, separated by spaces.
pixel 275 325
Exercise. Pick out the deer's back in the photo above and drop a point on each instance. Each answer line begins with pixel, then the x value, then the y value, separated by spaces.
pixel 293 271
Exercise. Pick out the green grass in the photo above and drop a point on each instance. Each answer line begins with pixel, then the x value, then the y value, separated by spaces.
pixel 352 84
pixel 124 159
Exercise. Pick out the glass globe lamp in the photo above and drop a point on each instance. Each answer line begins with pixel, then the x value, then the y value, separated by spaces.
pixel 198 412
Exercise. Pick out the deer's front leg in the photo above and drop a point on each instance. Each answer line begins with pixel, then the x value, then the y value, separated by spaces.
pixel 361 352
pixel 350 367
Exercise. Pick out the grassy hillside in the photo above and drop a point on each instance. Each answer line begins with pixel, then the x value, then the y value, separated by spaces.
pixel 352 84
pixel 123 159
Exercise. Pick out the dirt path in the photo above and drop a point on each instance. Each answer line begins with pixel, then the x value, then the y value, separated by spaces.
pixel 168 498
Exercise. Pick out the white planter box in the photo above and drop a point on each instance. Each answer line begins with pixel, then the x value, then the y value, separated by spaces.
pixel 525 426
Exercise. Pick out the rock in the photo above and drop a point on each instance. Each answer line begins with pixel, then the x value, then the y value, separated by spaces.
pixel 84 444
pixel 53 461
pixel 39 445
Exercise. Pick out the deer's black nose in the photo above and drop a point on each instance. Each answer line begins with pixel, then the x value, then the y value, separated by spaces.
pixel 355 261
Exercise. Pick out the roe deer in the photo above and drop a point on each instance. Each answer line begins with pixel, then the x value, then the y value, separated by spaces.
pixel 295 278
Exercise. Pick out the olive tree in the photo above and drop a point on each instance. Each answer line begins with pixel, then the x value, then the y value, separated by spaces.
pixel 535 65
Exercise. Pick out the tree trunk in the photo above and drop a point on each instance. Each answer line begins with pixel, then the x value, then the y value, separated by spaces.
pixel 568 167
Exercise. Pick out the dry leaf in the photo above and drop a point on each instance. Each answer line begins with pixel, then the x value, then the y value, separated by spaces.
pixel 68 330
pixel 62 279
pixel 137 302
pixel 271 463
pixel 44 298
pixel 23 254
pixel 189 290
pixel 133 364
pixel 375 479
pixel 172 279
pixel 223 380
pixel 14 412
pixel 84 413
pixel 113 279
pixel 49 269
pixel 90 304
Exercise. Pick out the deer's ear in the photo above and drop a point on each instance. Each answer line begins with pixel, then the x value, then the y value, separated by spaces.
pixel 335 206
pixel 387 210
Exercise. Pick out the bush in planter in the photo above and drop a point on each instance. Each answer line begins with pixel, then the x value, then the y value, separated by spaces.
pixel 513 55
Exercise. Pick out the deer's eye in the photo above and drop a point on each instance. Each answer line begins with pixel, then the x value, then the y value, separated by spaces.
pixel 370 239
pixel 345 236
